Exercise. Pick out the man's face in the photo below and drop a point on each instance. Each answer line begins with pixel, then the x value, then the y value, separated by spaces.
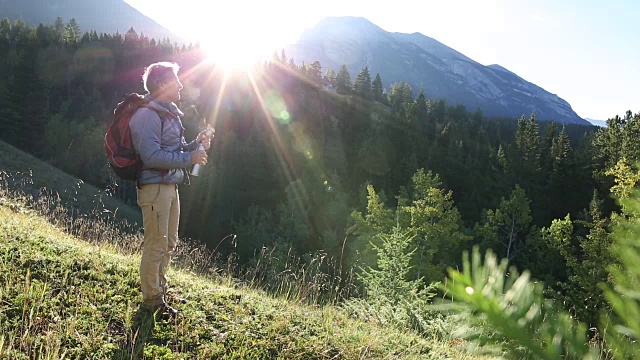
pixel 170 89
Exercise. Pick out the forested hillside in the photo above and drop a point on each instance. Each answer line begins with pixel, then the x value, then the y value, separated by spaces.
pixel 317 162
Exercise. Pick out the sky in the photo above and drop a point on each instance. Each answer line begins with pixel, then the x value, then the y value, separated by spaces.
pixel 587 52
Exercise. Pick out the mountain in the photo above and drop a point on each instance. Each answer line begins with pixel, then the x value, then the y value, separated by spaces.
pixel 601 123
pixel 104 16
pixel 425 63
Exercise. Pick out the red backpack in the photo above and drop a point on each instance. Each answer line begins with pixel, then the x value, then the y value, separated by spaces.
pixel 118 145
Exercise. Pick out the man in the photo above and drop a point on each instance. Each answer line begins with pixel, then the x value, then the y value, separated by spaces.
pixel 157 135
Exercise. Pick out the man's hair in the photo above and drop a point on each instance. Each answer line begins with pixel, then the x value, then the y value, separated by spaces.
pixel 158 72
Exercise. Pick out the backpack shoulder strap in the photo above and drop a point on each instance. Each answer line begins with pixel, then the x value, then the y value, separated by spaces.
pixel 130 103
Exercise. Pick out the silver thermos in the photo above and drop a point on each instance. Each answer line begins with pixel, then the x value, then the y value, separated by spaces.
pixel 209 132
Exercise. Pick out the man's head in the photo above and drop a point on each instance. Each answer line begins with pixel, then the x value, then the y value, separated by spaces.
pixel 161 81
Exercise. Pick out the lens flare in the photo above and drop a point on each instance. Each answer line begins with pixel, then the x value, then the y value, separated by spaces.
pixel 469 290
pixel 277 107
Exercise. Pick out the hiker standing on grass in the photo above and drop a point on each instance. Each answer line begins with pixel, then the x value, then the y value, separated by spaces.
pixel 157 134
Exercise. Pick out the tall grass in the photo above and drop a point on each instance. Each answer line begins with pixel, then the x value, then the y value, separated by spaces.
pixel 98 226
pixel 61 299
pixel 313 279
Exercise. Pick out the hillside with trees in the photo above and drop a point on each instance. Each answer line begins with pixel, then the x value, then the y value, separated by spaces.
pixel 321 163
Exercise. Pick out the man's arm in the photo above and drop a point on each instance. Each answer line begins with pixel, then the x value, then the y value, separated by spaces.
pixel 189 146
pixel 146 130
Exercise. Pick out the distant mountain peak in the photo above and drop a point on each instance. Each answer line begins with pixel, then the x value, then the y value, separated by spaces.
pixel 424 62
pixel 348 19
pixel 347 25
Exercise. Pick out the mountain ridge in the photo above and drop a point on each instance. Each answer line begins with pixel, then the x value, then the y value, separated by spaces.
pixel 425 63
pixel 107 16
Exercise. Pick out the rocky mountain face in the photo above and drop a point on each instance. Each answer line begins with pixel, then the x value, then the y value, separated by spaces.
pixel 103 16
pixel 427 64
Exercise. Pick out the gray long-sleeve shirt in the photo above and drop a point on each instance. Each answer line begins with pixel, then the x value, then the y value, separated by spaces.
pixel 157 136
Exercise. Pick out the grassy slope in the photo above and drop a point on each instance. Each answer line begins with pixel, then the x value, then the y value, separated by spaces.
pixel 63 297
pixel 43 175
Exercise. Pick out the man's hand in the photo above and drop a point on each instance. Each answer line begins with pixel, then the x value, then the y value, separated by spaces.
pixel 199 157
pixel 204 139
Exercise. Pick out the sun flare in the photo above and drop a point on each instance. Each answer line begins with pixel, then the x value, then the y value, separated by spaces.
pixel 236 36
pixel 230 55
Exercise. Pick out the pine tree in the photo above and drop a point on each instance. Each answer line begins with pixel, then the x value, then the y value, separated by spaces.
pixel 585 257
pixel 314 71
pixel 421 105
pixel 377 219
pixel 507 228
pixel 559 196
pixel 388 292
pixel 528 143
pixel 502 159
pixel 86 38
pixel 131 37
pixel 343 81
pixel 545 149
pixel 72 32
pixel 616 141
pixel 377 88
pixel 302 69
pixel 430 214
pixel 400 94
pixel 388 283
pixel 59 29
pixel 5 34
pixel 526 164
pixel 625 178
pixel 560 153
pixel 420 116
pixel 521 322
pixel 420 110
pixel 330 77
pixel 362 84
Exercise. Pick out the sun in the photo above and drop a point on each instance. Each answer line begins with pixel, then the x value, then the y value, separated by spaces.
pixel 233 54
pixel 236 35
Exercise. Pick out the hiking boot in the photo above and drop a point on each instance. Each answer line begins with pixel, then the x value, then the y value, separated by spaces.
pixel 163 311
pixel 175 299
pixel 166 312
pixel 172 298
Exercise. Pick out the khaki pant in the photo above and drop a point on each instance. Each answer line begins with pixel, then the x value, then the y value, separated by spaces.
pixel 160 214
